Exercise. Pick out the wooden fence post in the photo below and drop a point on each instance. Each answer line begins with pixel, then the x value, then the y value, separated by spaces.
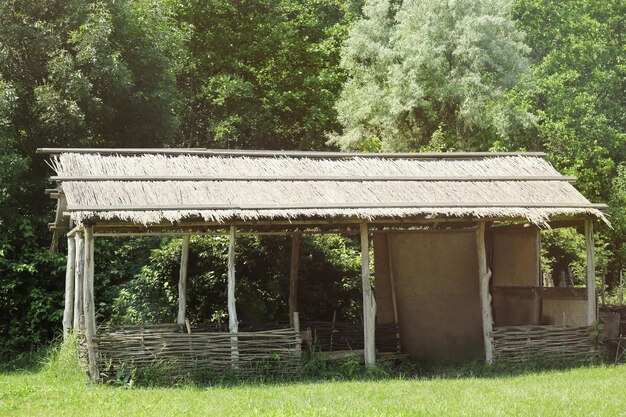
pixel 392 283
pixel 88 303
pixel 79 317
pixel 591 273
pixel 68 311
pixel 621 287
pixel 233 324
pixel 484 275
pixel 293 276
pixel 182 281
pixel 369 303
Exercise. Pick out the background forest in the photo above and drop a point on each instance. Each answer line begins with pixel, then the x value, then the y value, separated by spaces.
pixel 392 75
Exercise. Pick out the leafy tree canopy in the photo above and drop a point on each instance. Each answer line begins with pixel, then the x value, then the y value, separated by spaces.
pixel 432 74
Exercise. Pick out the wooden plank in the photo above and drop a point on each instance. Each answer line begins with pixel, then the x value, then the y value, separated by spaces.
pixel 319 178
pixel 79 316
pixel 308 154
pixel 182 281
pixel 89 304
pixel 293 276
pixel 484 275
pixel 355 205
pixel 233 323
pixel 68 311
pixel 591 273
pixel 369 304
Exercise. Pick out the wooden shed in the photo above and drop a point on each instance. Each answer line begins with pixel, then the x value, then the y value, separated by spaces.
pixel 456 240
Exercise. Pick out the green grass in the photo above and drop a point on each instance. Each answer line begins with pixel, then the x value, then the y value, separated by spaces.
pixel 58 388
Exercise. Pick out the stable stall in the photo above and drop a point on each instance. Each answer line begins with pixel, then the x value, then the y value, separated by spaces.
pixel 455 236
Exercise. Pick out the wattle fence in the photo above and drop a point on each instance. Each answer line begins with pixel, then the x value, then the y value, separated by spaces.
pixel 183 354
pixel 518 344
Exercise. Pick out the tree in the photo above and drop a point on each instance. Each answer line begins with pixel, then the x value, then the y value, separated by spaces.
pixel 580 76
pixel 72 73
pixel 261 73
pixel 578 50
pixel 432 74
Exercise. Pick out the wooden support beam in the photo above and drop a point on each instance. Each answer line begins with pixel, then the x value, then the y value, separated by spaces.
pixel 68 311
pixel 307 178
pixel 591 273
pixel 293 276
pixel 79 316
pixel 392 282
pixel 270 153
pixel 89 304
pixel 355 205
pixel 233 324
pixel 293 225
pixel 369 303
pixel 484 275
pixel 182 281
pixel 621 287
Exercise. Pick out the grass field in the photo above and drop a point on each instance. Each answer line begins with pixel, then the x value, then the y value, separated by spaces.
pixel 58 389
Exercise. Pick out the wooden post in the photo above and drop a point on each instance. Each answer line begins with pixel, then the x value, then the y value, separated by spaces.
pixel 79 317
pixel 484 275
pixel 296 322
pixel 88 303
pixel 233 324
pixel 392 283
pixel 621 287
pixel 182 281
pixel 68 311
pixel 293 276
pixel 369 303
pixel 392 280
pixel 538 305
pixel 602 289
pixel 296 329
pixel 591 273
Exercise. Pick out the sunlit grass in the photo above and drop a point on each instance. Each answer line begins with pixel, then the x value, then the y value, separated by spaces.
pixel 59 388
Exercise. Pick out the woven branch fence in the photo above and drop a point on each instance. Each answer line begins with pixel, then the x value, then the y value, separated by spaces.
pixel 182 354
pixel 518 344
pixel 329 336
pixel 621 310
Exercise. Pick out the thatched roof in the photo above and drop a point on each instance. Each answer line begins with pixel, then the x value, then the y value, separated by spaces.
pixel 152 186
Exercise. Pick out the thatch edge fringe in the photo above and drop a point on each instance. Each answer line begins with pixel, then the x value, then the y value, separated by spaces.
pixel 537 216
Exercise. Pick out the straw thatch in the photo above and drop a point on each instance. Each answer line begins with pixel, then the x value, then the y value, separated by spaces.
pixel 151 188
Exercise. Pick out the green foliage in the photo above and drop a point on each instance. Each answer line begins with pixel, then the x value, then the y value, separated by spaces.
pixel 423 71
pixel 579 75
pixel 72 73
pixel 414 75
pixel 329 275
pixel 261 73
pixel 563 248
pixel 26 293
pixel 617 212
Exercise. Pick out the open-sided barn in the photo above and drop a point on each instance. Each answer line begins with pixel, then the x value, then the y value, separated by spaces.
pixel 456 240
